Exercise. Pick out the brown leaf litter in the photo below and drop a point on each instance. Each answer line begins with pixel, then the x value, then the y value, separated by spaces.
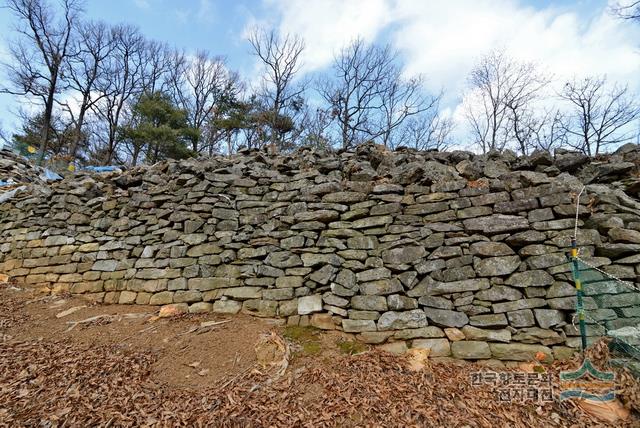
pixel 63 381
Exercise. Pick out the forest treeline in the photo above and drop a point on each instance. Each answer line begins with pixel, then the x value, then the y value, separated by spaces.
pixel 106 94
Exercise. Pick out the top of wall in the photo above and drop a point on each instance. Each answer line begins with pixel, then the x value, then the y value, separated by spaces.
pixel 368 163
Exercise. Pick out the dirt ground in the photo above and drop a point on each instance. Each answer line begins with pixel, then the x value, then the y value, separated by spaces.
pixel 127 367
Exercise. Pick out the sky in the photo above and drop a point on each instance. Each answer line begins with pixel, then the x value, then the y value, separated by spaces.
pixel 439 39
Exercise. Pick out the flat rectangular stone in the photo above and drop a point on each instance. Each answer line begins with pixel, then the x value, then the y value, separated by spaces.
pixel 205 284
pixel 518 305
pixel 358 326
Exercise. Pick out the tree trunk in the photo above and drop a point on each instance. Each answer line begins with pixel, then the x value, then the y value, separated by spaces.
pixel 78 133
pixel 46 126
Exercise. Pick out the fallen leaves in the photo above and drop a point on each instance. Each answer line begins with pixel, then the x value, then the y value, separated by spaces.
pixel 59 383
pixel 68 383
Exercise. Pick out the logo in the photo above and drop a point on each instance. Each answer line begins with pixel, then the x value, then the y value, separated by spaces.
pixel 587 382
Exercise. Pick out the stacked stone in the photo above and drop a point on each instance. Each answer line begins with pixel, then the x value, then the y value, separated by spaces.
pixel 459 253
pixel 16 170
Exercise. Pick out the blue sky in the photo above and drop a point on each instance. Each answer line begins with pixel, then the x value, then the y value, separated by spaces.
pixel 440 39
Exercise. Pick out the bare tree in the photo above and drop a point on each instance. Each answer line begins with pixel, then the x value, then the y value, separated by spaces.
pixel 39 53
pixel 427 130
pixel 93 46
pixel 122 81
pixel 546 131
pixel 627 10
pixel 501 100
pixel 601 114
pixel 280 56
pixel 158 63
pixel 199 85
pixel 354 94
pixel 401 99
pixel 315 127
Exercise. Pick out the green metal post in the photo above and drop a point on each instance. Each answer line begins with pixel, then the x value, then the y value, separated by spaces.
pixel 579 293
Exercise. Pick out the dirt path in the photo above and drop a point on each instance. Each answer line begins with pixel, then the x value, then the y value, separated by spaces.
pixel 130 368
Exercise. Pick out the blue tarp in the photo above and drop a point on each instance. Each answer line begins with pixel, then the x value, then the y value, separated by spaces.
pixel 109 168
pixel 49 175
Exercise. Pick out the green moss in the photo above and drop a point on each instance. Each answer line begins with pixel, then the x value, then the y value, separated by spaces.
pixel 311 348
pixel 307 337
pixel 351 347
pixel 301 334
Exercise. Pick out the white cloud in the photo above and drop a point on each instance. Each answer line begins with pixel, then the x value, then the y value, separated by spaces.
pixel 443 39
pixel 328 25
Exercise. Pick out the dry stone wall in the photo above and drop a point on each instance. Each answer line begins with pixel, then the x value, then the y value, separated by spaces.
pixel 459 253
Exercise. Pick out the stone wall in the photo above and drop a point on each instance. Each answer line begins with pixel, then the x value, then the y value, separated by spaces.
pixel 460 253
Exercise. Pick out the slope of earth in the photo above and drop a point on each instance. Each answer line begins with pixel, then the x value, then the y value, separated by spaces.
pixel 66 363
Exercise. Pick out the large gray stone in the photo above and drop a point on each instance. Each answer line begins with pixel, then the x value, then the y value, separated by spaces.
pixel 244 293
pixel 323 216
pixel 381 287
pixel 531 278
pixel 519 351
pixel 283 259
pixel 324 274
pixel 414 333
pixel 488 320
pixel 546 260
pixel 470 350
pixel 561 289
pixel 538 335
pixel 526 238
pixel 518 305
pixel 436 302
pixel 547 318
pixel 362 243
pixel 402 320
pixel 314 259
pixel 346 278
pixel 358 326
pixel 371 222
pixel 344 197
pixel 496 223
pixel 212 283
pixel 289 282
pixel 490 249
pixel 373 274
pixel 105 265
pixel 521 318
pixel 226 306
pixel 369 303
pixel 569 303
pixel 398 302
pixel 497 293
pixel 446 318
pixel 403 255
pixel 474 333
pixel 474 284
pixel 309 304
pixel 437 347
pixel 620 300
pixel 496 266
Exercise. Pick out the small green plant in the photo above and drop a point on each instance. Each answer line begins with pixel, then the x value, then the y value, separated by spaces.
pixel 351 347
